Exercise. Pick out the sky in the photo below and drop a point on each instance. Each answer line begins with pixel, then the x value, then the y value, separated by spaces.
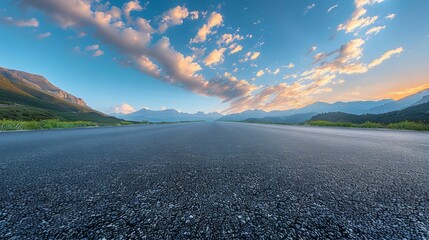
pixel 224 56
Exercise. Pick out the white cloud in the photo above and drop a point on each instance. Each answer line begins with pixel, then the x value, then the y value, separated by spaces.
pixel 275 72
pixel 391 16
pixel 131 6
pixel 260 73
pixel 290 76
pixel 215 19
pixel 229 38
pixel 172 17
pixel 250 56
pixel 289 66
pixel 98 53
pixel 255 55
pixel 358 19
pixel 44 35
pixel 308 8
pixel 20 23
pixel 375 30
pixel 123 108
pixel 198 52
pixel 144 26
pixel 216 56
pixel 385 56
pixel 312 49
pixel 194 15
pixel 95 49
pixel 92 47
pixel 235 48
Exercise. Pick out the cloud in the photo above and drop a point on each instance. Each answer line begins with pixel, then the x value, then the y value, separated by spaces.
pixel 391 16
pixel 275 72
pixel 229 87
pixel 385 56
pixel 229 38
pixel 144 26
pixel 98 53
pixel 44 35
pixel 95 49
pixel 358 19
pixel 250 56
pixel 194 15
pixel 375 30
pixel 20 23
pixel 198 52
pixel 131 6
pixel 159 60
pixel 92 47
pixel 332 8
pixel 132 38
pixel 123 108
pixel 311 82
pixel 290 76
pixel 312 49
pixel 308 8
pixel 255 55
pixel 260 73
pixel 216 56
pixel 289 66
pixel 235 48
pixel 339 81
pixel 172 17
pixel 409 91
pixel 214 20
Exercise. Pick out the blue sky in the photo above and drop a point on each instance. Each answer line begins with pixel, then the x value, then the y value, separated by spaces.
pixel 225 56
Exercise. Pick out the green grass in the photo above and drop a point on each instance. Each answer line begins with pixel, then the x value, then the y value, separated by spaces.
pixel 8 125
pixel 406 125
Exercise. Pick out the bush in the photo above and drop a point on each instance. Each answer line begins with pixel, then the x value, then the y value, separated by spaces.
pixel 409 126
pixel 406 125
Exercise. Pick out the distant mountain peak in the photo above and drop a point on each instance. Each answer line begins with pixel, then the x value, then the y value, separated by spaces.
pixel 168 115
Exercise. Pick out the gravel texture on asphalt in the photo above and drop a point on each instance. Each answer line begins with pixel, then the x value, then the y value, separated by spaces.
pixel 214 181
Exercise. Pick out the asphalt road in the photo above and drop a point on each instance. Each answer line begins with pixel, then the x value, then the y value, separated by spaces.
pixel 214 180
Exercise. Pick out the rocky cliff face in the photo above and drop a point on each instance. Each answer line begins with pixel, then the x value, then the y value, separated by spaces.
pixel 40 83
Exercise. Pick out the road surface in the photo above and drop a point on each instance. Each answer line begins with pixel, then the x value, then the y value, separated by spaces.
pixel 214 180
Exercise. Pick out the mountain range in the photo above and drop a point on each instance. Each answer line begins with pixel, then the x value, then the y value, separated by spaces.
pixel 26 96
pixel 168 115
pixel 303 114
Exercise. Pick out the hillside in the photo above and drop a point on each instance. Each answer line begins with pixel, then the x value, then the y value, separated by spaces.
pixel 417 113
pixel 21 101
pixel 292 119
pixel 40 83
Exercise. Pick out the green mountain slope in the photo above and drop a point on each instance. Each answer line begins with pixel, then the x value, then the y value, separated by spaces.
pixel 417 113
pixel 19 101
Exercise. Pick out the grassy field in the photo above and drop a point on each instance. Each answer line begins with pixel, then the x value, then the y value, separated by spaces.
pixel 406 125
pixel 10 125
